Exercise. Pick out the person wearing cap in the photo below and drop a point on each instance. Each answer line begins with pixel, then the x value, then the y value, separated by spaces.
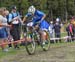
pixel 14 20
pixel 3 25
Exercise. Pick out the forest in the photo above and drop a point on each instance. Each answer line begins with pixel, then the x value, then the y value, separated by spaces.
pixel 63 9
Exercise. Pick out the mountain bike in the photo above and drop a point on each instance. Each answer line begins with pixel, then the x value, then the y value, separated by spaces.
pixel 32 37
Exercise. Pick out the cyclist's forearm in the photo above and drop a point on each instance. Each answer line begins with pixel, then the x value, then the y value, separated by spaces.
pixel 24 19
pixel 43 17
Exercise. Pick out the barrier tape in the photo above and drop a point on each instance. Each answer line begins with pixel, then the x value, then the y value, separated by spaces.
pixel 12 42
pixel 22 40
pixel 66 37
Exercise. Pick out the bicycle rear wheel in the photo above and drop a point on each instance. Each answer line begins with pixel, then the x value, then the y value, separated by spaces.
pixel 45 44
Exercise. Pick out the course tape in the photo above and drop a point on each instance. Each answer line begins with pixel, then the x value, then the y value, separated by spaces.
pixel 22 40
pixel 13 42
pixel 63 38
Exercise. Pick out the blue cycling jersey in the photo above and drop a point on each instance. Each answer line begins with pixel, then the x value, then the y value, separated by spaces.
pixel 37 17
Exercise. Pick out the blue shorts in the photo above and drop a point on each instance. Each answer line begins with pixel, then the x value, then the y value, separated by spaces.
pixel 3 33
pixel 44 25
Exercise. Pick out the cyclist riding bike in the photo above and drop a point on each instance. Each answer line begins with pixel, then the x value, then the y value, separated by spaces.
pixel 37 16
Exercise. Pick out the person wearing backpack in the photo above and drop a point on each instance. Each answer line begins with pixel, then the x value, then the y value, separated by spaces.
pixel 14 20
pixel 70 30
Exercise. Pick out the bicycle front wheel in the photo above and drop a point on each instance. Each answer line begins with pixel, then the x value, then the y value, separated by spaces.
pixel 30 45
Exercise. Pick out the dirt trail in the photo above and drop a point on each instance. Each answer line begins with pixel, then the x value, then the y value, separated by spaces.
pixel 61 54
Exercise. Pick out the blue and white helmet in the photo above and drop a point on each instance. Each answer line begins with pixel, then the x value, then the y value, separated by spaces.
pixel 31 9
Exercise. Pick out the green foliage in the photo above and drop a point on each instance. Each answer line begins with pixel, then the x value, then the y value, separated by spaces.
pixel 52 8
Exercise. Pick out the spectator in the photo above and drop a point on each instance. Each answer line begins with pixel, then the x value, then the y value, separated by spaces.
pixel 14 19
pixel 51 31
pixel 57 28
pixel 3 25
pixel 73 30
pixel 69 30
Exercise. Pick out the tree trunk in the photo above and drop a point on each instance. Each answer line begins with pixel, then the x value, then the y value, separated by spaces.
pixel 51 15
pixel 66 16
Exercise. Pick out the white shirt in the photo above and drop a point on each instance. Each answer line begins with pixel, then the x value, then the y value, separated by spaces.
pixel 3 20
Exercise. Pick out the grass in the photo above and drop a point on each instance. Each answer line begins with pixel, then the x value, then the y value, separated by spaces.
pixel 56 51
pixel 14 51
pixel 11 52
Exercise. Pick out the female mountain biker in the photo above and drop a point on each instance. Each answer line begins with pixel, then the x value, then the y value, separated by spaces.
pixel 37 16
